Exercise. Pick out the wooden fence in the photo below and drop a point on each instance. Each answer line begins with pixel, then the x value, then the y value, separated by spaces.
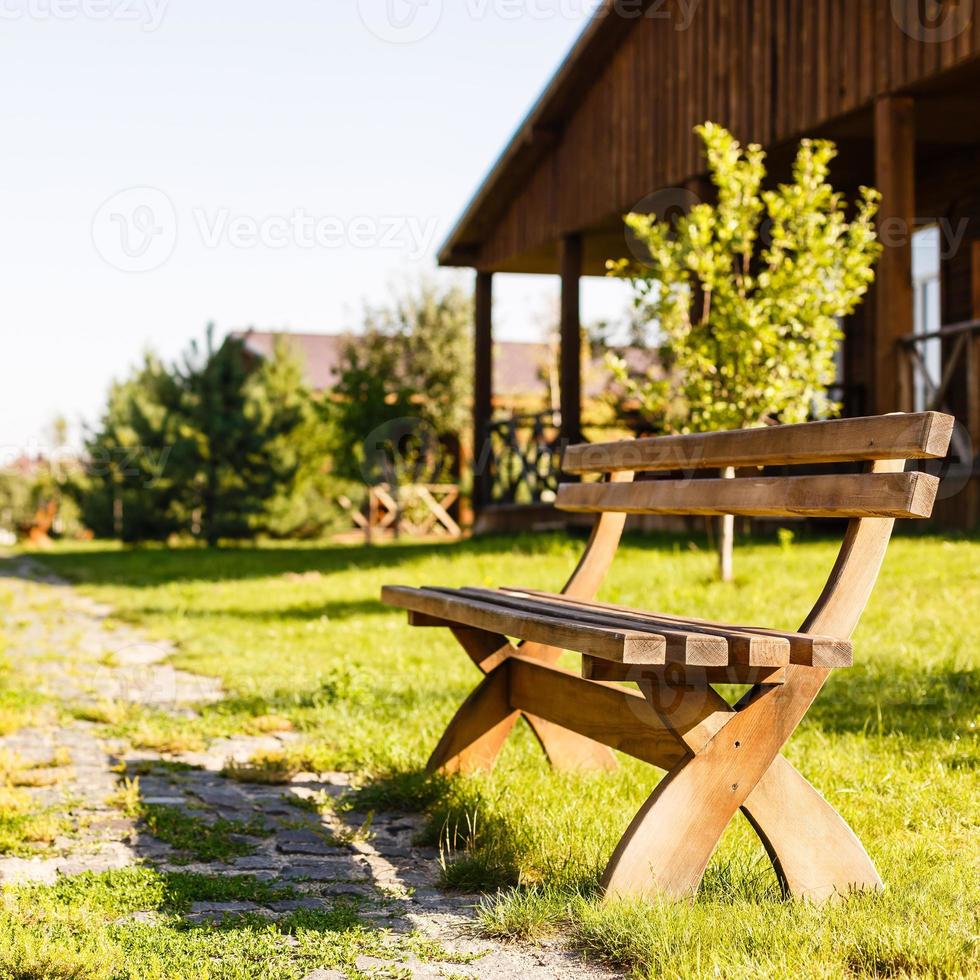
pixel 420 510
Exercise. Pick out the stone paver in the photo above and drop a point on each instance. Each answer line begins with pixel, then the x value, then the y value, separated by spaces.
pixel 64 642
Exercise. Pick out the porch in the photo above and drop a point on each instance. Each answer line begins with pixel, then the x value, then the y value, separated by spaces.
pixel 592 150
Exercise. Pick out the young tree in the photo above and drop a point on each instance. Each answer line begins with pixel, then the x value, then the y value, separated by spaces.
pixel 747 294
pixel 300 443
pixel 403 387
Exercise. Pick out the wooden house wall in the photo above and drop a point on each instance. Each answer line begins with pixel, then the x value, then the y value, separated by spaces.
pixel 769 70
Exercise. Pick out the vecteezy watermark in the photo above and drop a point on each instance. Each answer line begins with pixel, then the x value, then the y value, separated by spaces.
pixel 144 463
pixel 401 21
pixel 410 21
pixel 681 12
pixel 399 448
pixel 137 674
pixel 136 229
pixel 667 205
pixel 933 21
pixel 148 14
pixel 301 229
pixel 897 232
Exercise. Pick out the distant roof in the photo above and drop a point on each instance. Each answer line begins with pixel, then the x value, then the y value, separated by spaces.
pixel 33 464
pixel 519 369
pixel 319 353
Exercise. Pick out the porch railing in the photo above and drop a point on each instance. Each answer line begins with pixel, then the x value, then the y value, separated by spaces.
pixel 525 458
pixel 955 389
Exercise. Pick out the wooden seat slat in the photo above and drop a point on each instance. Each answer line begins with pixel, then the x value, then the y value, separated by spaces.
pixel 684 646
pixel 572 623
pixel 806 649
pixel 705 644
pixel 906 495
pixel 914 436
pixel 594 669
pixel 622 646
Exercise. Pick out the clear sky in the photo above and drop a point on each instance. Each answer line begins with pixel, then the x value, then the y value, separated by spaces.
pixel 170 162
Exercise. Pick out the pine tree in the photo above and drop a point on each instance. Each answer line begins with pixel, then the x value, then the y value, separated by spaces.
pixel 132 488
pixel 236 432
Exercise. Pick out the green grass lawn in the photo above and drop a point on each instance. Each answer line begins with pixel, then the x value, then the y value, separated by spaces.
pixel 298 634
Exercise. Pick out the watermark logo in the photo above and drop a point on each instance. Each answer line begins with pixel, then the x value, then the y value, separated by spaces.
pixel 135 463
pixel 897 233
pixel 933 21
pixel 665 205
pixel 411 21
pixel 301 229
pixel 956 470
pixel 401 21
pixel 136 229
pixel 401 450
pixel 682 12
pixel 148 14
pixel 138 674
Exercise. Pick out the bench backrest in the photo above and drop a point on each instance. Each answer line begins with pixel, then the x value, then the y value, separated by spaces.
pixel 886 491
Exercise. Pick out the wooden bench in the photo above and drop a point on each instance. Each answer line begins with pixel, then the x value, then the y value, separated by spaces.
pixel 719 758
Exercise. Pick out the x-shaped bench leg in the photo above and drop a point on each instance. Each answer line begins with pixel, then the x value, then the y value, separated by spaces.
pixel 480 727
pixel 733 763
pixel 731 760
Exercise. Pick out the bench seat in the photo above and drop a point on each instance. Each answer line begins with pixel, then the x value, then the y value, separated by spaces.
pixel 720 756
pixel 617 634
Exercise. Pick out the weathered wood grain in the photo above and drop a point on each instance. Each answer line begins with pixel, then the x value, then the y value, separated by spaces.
pixel 914 436
pixel 907 495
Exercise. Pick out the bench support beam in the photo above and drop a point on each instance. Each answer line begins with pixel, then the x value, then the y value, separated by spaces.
pixel 719 759
pixel 480 727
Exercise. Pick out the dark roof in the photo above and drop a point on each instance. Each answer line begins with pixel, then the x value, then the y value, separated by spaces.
pixel 539 130
pixel 519 369
pixel 615 123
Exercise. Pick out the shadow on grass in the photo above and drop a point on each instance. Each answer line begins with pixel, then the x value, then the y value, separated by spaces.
pixel 330 609
pixel 936 703
pixel 153 565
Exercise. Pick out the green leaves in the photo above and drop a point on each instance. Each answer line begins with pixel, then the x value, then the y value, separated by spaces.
pixel 404 387
pixel 746 293
pixel 211 446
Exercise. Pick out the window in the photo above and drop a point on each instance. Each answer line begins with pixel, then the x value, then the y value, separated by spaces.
pixel 928 313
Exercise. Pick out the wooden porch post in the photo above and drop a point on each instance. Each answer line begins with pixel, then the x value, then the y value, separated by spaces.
pixel 973 390
pixel 482 389
pixel 570 371
pixel 973 353
pixel 894 310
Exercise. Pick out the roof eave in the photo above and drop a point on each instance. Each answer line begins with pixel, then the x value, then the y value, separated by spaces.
pixel 540 128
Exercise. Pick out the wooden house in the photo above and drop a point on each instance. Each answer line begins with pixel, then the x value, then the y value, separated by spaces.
pixel 896 83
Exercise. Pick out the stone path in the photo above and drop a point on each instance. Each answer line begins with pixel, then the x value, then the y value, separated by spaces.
pixel 283 833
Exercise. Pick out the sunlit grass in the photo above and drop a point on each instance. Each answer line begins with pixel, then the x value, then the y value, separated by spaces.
pixel 297 635
pixel 95 927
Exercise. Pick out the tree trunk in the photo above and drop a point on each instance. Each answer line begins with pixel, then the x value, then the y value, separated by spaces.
pixel 726 538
